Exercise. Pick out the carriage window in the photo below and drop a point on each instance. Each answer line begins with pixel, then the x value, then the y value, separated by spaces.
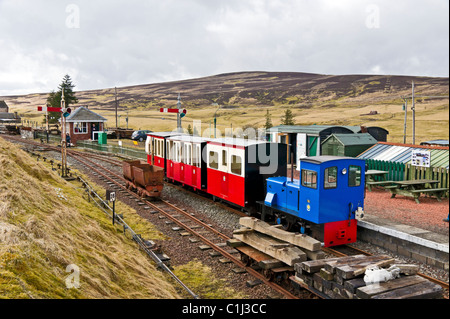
pixel 354 176
pixel 309 178
pixel 224 157
pixel 195 156
pixel 175 152
pixel 213 160
pixel 236 165
pixel 189 154
pixel 185 154
pixel 169 150
pixel 330 177
pixel 180 153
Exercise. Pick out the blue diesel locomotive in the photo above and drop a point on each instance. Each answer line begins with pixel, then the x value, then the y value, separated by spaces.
pixel 323 203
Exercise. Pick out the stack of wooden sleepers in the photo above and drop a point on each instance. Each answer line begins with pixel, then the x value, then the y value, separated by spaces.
pixel 274 243
pixel 343 278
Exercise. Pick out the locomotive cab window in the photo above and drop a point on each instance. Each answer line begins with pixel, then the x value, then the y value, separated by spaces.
pixel 309 178
pixel 330 180
pixel 354 176
pixel 213 160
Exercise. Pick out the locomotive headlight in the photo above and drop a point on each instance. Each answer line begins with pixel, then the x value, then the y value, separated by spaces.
pixel 344 171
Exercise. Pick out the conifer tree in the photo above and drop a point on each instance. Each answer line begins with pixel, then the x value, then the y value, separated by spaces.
pixel 287 118
pixel 268 121
pixel 54 98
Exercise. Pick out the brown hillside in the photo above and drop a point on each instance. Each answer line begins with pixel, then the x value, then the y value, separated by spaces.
pixel 314 99
pixel 251 88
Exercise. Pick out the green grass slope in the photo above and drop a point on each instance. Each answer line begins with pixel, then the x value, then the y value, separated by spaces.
pixel 46 225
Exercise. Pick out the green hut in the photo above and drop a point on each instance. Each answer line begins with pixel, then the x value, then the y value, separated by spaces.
pixel 347 144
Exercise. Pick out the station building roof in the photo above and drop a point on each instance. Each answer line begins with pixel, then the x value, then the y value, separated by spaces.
pixel 83 114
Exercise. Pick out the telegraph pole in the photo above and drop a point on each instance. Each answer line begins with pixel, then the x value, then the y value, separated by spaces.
pixel 405 106
pixel 116 105
pixel 413 109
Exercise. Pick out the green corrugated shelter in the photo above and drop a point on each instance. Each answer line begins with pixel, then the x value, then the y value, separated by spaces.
pixel 347 144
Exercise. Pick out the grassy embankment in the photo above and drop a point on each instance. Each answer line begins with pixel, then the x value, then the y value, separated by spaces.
pixel 47 224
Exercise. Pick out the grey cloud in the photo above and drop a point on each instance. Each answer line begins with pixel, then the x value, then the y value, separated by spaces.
pixel 133 42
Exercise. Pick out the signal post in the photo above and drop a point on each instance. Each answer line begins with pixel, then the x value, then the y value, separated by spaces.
pixel 64 113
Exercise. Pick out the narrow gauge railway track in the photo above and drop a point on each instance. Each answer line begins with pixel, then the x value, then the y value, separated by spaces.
pixel 345 250
pixel 340 252
pixel 187 222
pixel 179 187
pixel 180 217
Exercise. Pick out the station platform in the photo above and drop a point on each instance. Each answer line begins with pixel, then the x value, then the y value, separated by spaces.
pixel 412 242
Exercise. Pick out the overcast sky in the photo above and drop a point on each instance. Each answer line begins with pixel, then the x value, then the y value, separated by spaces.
pixel 102 44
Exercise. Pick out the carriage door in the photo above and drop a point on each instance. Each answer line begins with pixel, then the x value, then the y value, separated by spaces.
pixel 185 162
pixel 223 167
pixel 179 165
pixel 170 157
pixel 196 171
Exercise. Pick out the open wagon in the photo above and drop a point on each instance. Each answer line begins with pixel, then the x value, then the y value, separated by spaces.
pixel 145 179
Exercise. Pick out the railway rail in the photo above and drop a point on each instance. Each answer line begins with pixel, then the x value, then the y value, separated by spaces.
pixel 196 227
pixel 199 229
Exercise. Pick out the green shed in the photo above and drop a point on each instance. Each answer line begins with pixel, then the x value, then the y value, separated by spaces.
pixel 347 144
pixel 102 138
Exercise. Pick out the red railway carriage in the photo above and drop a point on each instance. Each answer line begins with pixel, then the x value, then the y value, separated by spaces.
pixel 237 168
pixel 185 163
pixel 155 147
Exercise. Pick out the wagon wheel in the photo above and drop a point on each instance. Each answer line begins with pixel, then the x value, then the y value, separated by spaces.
pixel 287 275
pixel 246 260
pixel 286 223
pixel 268 274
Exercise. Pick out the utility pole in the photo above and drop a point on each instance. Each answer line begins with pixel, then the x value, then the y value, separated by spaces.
pixel 413 109
pixel 115 89
pixel 215 120
pixel 406 116
pixel 405 107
